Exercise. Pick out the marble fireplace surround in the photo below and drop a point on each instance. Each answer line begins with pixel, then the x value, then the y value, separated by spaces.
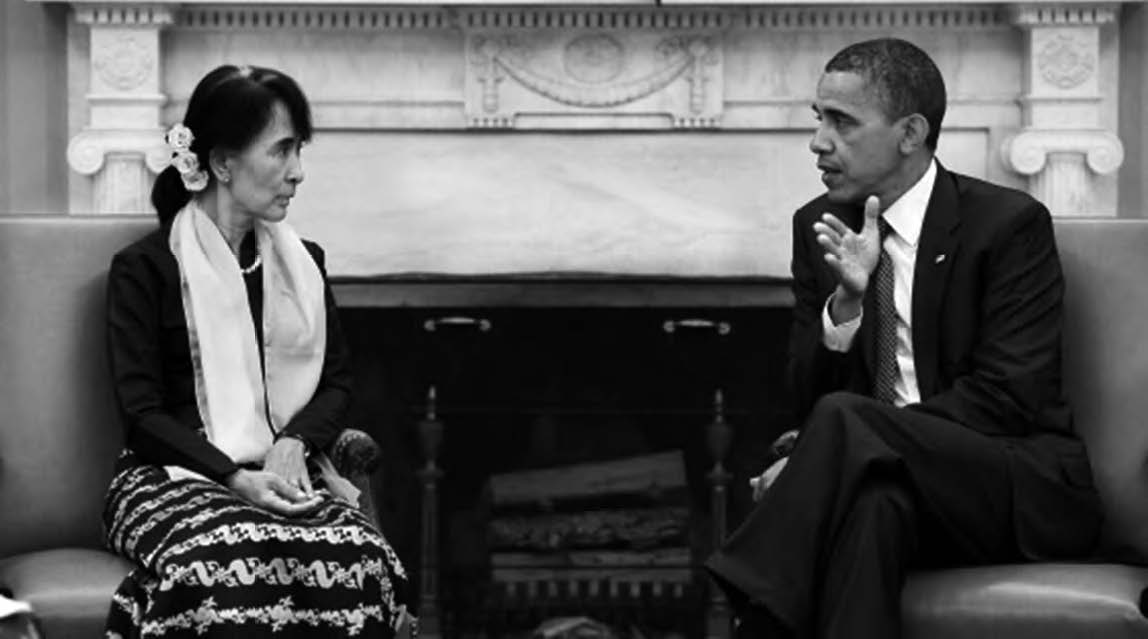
pixel 619 139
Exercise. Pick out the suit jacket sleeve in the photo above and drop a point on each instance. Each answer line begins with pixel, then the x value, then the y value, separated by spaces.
pixel 134 291
pixel 813 369
pixel 322 418
pixel 1011 382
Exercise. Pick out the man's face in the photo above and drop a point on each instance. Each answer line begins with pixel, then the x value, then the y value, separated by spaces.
pixel 857 147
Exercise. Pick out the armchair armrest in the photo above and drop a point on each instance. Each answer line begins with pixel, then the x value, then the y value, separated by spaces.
pixel 354 453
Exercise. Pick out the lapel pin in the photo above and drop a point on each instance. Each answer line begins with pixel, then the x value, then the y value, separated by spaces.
pixel 940 258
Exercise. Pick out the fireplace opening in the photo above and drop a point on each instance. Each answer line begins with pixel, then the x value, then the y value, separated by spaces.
pixel 577 457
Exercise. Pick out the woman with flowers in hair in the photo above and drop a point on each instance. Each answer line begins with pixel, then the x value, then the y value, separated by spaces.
pixel 232 377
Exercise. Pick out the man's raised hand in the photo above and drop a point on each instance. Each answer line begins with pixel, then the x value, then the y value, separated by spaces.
pixel 852 256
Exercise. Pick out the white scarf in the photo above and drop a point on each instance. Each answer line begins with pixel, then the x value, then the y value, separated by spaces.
pixel 233 397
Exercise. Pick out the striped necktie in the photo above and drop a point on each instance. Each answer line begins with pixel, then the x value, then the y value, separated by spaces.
pixel 885 379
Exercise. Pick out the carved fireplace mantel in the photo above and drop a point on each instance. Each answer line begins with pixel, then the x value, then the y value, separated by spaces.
pixel 563 291
pixel 627 138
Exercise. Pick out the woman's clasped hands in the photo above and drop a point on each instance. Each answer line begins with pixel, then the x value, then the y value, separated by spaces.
pixel 283 486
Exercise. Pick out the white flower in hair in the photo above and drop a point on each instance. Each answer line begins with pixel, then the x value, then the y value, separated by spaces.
pixel 185 162
pixel 179 138
pixel 196 181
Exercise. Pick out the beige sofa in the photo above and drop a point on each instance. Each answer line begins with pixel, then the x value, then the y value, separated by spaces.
pixel 59 435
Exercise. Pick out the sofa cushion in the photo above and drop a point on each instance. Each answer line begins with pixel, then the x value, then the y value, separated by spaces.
pixel 70 589
pixel 1106 367
pixel 1042 601
pixel 59 432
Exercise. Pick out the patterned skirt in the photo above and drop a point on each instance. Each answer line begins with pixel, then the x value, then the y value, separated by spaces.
pixel 209 564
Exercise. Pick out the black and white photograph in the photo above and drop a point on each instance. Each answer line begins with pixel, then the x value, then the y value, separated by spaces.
pixel 573 319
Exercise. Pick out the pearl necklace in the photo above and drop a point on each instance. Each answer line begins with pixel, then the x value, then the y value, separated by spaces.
pixel 248 270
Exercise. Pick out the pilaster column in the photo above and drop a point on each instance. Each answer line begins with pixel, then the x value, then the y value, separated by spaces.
pixel 122 145
pixel 1062 146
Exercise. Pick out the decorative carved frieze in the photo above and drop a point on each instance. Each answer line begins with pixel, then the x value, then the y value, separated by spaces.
pixel 862 17
pixel 124 14
pixel 260 17
pixel 660 18
pixel 1063 14
pixel 594 63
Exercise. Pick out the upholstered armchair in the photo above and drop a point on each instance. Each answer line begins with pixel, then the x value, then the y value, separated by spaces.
pixel 1106 379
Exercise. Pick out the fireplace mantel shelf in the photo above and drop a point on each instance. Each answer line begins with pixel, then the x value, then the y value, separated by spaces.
pixel 555 3
pixel 561 292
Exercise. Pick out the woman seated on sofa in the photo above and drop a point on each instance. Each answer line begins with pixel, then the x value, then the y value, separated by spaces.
pixel 232 376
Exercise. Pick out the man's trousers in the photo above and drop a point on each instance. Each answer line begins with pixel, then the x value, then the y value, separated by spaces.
pixel 870 491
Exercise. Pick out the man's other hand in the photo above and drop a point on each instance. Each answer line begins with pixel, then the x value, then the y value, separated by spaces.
pixel 762 483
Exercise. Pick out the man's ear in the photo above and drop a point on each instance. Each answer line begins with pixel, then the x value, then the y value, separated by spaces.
pixel 916 130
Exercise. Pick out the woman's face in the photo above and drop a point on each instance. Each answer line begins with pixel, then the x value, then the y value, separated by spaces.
pixel 264 176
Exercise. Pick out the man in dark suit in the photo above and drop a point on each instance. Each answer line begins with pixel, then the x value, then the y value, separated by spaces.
pixel 925 359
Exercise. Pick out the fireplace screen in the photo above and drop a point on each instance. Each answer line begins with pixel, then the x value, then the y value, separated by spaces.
pixel 555 472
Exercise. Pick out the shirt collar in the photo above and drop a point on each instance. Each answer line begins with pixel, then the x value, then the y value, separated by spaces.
pixel 907 214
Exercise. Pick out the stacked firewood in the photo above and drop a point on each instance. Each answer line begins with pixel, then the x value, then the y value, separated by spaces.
pixel 619 522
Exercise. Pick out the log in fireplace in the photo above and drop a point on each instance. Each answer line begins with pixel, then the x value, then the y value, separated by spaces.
pixel 566 448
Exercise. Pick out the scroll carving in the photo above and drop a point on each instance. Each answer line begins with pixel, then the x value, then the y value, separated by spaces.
pixel 1027 152
pixel 88 150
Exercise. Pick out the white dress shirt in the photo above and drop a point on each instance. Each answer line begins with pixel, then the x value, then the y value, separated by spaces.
pixel 905 217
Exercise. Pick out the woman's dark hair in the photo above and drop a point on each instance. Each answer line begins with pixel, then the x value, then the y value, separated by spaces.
pixel 228 109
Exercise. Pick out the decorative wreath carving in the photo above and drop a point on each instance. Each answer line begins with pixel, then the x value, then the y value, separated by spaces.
pixel 124 62
pixel 1065 62
pixel 591 63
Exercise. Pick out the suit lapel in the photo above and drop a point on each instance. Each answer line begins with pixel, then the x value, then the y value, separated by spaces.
pixel 936 251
